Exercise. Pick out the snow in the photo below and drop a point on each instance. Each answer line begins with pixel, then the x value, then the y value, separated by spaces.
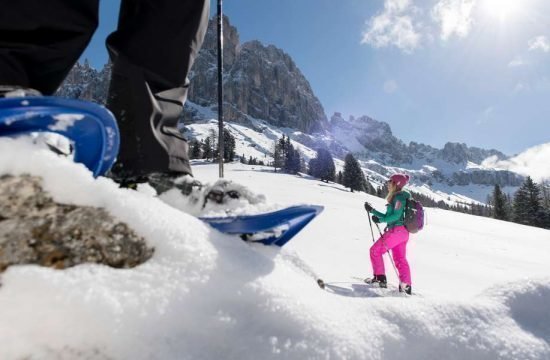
pixel 65 121
pixel 482 285
pixel 249 142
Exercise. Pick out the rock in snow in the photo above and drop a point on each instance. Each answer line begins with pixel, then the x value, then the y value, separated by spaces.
pixel 34 229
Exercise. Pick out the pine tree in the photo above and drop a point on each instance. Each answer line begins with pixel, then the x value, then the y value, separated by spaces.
pixel 293 160
pixel 207 149
pixel 322 166
pixel 214 144
pixel 195 151
pixel 340 177
pixel 278 157
pixel 545 195
pixel 353 176
pixel 499 204
pixel 228 146
pixel 527 204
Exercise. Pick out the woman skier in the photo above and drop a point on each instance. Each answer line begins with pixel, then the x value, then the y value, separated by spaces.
pixel 395 236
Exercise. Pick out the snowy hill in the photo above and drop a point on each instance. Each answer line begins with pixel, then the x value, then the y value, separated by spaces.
pixel 258 138
pixel 482 285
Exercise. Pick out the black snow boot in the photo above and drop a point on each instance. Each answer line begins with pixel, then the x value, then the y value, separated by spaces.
pixel 377 279
pixel 406 288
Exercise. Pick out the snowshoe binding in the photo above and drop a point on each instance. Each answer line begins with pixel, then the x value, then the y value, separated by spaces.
pixel 377 279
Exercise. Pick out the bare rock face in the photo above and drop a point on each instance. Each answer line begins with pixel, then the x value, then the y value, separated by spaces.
pixel 259 81
pixel 86 83
pixel 36 230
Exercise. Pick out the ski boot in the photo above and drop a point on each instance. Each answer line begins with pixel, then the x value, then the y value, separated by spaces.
pixel 377 279
pixel 406 288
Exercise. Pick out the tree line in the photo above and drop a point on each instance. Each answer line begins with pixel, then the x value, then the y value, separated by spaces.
pixel 208 148
pixel 286 157
pixel 530 205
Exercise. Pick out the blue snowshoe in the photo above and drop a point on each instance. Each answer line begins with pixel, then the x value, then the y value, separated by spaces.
pixel 91 129
pixel 273 228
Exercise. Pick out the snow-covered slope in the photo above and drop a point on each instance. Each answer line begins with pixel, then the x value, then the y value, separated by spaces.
pixel 258 142
pixel 482 285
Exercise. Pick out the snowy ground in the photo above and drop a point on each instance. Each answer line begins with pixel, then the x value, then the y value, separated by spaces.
pixel 482 285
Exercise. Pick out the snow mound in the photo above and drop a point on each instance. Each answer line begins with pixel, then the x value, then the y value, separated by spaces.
pixel 204 295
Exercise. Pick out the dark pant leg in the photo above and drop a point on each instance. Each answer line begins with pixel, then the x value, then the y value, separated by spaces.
pixel 40 40
pixel 152 50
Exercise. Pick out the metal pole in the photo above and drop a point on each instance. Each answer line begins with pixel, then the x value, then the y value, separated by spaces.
pixel 371 231
pixel 220 87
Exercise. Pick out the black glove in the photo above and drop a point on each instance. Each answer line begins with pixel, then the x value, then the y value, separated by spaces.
pixel 368 207
pixel 375 219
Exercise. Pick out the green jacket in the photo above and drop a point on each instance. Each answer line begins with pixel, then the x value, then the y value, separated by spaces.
pixel 394 211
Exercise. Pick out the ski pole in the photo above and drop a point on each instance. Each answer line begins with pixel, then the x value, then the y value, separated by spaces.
pixel 371 231
pixel 387 250
pixel 220 88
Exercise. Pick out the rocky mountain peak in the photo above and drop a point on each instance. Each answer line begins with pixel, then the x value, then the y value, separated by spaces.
pixel 460 153
pixel 260 81
pixel 374 137
pixel 231 42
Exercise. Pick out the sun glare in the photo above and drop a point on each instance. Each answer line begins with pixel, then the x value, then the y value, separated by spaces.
pixel 501 9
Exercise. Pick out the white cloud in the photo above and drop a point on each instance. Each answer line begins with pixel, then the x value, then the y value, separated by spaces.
pixel 390 86
pixel 394 26
pixel 539 43
pixel 518 61
pixel 532 162
pixel 397 5
pixel 454 17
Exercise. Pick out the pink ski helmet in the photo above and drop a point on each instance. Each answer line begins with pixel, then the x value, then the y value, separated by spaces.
pixel 400 179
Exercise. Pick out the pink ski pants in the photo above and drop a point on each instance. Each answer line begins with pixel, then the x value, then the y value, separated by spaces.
pixel 395 240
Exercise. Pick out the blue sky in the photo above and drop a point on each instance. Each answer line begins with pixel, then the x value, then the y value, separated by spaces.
pixel 473 71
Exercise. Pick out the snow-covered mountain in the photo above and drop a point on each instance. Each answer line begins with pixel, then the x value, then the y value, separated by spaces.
pixel 455 164
pixel 480 285
pixel 86 83
pixel 266 93
pixel 258 138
